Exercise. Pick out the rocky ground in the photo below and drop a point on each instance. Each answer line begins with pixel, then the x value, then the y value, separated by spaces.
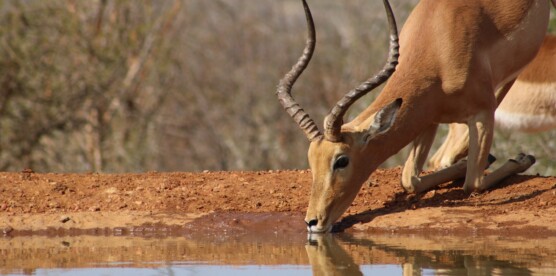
pixel 35 203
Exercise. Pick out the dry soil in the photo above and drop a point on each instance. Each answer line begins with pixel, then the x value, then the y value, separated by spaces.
pixel 217 202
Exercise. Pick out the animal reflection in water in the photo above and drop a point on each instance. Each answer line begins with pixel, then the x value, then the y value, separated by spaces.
pixel 328 256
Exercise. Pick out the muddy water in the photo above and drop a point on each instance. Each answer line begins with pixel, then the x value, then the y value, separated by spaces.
pixel 345 254
pixel 244 246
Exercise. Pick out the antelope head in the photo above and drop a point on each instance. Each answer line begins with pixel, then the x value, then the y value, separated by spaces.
pixel 339 158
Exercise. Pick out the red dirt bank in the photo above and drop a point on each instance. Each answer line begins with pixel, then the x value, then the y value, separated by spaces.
pixel 33 202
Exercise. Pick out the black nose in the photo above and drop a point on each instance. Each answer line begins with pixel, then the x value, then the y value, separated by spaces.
pixel 312 222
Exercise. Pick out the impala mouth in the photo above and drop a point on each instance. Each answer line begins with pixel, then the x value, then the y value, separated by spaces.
pixel 318 229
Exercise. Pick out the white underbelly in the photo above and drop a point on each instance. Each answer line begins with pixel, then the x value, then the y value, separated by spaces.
pixel 524 122
pixel 529 107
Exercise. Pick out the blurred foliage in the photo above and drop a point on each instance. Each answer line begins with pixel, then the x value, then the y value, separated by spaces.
pixel 78 82
pixel 121 85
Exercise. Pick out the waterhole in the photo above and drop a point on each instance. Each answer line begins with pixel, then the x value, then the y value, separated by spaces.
pixel 243 246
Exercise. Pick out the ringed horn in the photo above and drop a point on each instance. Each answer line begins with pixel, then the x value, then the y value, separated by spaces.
pixel 334 120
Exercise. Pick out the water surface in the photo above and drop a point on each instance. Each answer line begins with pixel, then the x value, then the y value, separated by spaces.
pixel 277 254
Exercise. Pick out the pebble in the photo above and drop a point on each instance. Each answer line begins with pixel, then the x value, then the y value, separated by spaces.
pixel 65 219
pixel 7 230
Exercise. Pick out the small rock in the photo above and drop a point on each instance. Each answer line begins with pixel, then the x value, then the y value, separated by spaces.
pixel 7 230
pixel 59 188
pixel 26 174
pixel 119 230
pixel 65 219
pixel 111 190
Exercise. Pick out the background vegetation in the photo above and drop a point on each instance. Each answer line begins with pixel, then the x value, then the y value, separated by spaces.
pixel 187 85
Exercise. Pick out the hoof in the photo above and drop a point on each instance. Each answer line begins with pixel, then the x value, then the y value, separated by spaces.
pixel 523 162
pixel 491 159
pixel 468 190
pixel 411 187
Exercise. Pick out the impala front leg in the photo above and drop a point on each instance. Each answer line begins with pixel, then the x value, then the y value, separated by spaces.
pixel 456 144
pixel 412 182
pixel 416 159
pixel 481 128
pixel 513 166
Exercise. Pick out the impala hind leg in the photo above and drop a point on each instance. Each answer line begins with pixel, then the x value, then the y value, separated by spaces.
pixel 481 130
pixel 416 159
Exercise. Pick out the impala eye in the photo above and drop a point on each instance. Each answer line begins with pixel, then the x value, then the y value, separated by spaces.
pixel 341 162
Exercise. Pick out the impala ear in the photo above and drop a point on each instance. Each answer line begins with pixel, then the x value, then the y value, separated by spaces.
pixel 384 119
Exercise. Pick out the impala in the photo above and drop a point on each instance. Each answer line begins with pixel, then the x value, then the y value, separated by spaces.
pixel 529 106
pixel 454 56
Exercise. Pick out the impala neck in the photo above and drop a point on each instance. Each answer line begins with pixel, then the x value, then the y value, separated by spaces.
pixel 417 113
